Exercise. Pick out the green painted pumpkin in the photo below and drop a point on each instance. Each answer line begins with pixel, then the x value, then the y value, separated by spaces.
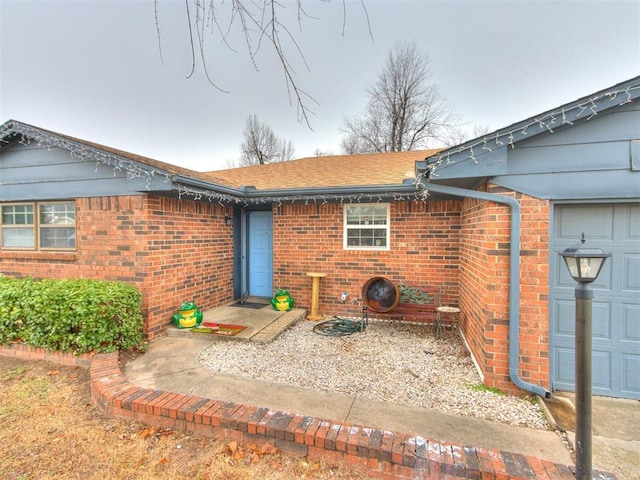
pixel 282 301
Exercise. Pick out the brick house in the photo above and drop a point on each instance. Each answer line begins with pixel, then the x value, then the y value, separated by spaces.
pixel 483 221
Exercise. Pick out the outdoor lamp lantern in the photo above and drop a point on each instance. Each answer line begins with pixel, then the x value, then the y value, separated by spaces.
pixel 584 264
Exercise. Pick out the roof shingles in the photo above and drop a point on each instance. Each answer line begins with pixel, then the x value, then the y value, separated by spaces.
pixel 325 171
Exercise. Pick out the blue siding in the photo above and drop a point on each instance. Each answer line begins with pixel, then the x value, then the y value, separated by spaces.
pixel 619 124
pixel 597 158
pixel 592 160
pixel 570 158
pixel 576 185
pixel 32 173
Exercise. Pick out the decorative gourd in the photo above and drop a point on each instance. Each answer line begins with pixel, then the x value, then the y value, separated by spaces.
pixel 188 316
pixel 282 301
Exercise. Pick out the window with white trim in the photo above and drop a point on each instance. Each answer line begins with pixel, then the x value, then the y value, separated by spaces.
pixel 366 226
pixel 38 226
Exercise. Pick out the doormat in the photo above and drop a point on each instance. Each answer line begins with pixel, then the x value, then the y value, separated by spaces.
pixel 249 305
pixel 224 329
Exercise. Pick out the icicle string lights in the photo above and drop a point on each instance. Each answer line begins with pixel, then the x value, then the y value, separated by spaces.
pixel 586 110
pixel 185 192
pixel 43 139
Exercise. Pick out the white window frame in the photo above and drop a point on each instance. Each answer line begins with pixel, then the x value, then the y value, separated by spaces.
pixel 65 222
pixel 348 227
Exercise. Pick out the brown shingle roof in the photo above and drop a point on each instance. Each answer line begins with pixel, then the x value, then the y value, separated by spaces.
pixel 327 171
pixel 312 172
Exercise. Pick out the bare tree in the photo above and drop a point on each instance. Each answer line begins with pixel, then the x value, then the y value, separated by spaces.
pixel 260 24
pixel 404 110
pixel 322 153
pixel 261 145
pixel 460 135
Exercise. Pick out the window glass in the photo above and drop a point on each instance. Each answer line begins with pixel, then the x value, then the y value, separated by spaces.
pixel 17 238
pixel 366 226
pixel 17 215
pixel 57 225
pixel 57 214
pixel 17 226
pixel 53 228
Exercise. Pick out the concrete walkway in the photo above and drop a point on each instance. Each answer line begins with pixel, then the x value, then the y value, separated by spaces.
pixel 171 364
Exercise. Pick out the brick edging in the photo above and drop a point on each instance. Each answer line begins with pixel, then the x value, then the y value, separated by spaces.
pixel 26 352
pixel 383 454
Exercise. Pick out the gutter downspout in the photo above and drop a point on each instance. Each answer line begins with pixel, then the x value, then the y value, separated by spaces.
pixel 514 278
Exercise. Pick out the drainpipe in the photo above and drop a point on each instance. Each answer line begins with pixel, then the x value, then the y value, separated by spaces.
pixel 514 278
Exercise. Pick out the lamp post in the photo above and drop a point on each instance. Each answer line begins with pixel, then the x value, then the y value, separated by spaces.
pixel 584 264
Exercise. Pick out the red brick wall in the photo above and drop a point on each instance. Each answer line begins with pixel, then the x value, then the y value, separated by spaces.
pixel 309 238
pixel 534 291
pixel 189 257
pixel 484 288
pixel 172 250
pixel 110 233
pixel 179 250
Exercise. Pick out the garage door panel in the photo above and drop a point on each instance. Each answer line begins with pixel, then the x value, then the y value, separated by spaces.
pixel 605 281
pixel 616 302
pixel 601 371
pixel 632 230
pixel 631 267
pixel 571 224
pixel 566 366
pixel 631 375
pixel 566 318
pixel 601 320
pixel 631 324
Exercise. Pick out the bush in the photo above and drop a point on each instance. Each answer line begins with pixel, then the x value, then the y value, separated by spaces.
pixel 76 315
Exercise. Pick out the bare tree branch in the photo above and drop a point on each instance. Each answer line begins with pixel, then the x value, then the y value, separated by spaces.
pixel 259 20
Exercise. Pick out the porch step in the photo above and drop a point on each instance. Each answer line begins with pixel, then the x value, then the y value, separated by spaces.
pixel 266 334
pixel 269 333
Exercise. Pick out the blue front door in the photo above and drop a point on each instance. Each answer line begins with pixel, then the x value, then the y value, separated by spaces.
pixel 260 255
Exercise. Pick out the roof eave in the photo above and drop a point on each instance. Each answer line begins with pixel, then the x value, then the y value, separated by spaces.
pixel 577 111
pixel 201 188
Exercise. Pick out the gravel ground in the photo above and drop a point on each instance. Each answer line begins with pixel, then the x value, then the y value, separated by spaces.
pixel 397 362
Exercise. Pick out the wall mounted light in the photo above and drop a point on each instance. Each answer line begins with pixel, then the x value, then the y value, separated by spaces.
pixel 228 221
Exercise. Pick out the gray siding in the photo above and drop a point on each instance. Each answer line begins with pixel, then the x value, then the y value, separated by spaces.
pixel 28 172
pixel 590 160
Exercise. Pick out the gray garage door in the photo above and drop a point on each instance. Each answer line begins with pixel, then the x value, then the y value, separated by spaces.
pixel 616 304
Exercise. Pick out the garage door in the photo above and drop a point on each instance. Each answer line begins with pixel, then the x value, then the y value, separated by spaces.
pixel 616 304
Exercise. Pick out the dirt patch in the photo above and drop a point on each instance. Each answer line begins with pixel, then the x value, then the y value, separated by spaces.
pixel 50 428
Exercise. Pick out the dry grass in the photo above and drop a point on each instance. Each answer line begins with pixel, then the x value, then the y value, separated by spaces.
pixel 49 428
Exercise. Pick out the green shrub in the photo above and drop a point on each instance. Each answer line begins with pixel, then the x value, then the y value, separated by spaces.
pixel 76 315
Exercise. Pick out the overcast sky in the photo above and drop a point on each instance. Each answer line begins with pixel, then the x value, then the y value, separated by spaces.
pixel 92 69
